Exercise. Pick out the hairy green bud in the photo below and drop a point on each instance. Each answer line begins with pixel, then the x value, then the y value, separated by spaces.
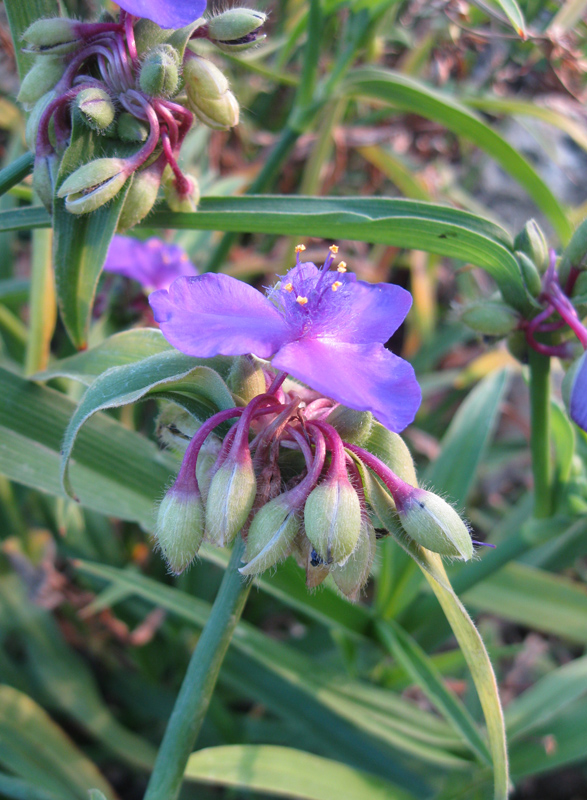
pixel 246 379
pixel 332 517
pixel 432 523
pixel 55 36
pixel 354 573
pixel 140 199
pixel 352 426
pixel 530 274
pixel 490 317
pixel 131 129
pixel 182 203
pixel 203 79
pixel 180 528
pixel 96 108
pixel 230 499
pixel 40 79
pixel 532 241
pixel 271 535
pixel 93 185
pixel 159 73
pixel 221 114
pixel 236 29
pixel 390 448
pixel 32 125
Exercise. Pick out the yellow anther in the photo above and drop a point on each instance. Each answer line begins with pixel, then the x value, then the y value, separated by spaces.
pixel 336 285
pixel 299 248
pixel 301 300
pixel 333 249
pixel 341 267
pixel 288 287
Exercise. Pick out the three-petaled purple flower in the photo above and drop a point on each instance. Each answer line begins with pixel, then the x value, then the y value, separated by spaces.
pixel 578 398
pixel 324 327
pixel 154 263
pixel 165 13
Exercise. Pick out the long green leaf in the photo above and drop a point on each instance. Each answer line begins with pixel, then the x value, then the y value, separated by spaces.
pixel 15 789
pixel 400 223
pixel 35 748
pixel 512 11
pixel 163 372
pixel 14 173
pixel 285 772
pixel 416 97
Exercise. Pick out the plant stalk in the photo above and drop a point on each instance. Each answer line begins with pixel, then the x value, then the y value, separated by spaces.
pixel 199 682
pixel 540 435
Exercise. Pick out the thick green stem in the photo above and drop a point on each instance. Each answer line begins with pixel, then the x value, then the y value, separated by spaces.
pixel 540 435
pixel 199 682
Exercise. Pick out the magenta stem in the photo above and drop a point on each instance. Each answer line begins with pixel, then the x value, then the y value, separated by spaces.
pixel 182 184
pixel 400 490
pixel 337 468
pixel 299 494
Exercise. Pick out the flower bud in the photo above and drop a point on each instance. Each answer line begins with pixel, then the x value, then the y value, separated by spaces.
pixel 270 536
pixel 131 129
pixel 55 36
pixel 490 318
pixel 32 124
pixel 332 517
pixel 205 463
pixel 354 573
pixel 44 177
pixel 141 197
pixel 432 523
pixel 203 79
pixel 180 528
pixel 96 108
pixel 352 426
pixel 530 274
pixel 517 344
pixel 93 185
pixel 246 379
pixel 221 114
pixel 185 202
pixel 236 29
pixel 159 73
pixel 39 80
pixel 175 427
pixel 230 498
pixel 532 241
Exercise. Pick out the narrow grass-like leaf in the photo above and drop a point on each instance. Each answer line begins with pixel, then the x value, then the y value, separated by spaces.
pixel 42 304
pixel 416 97
pixel 15 789
pixel 512 11
pixel 423 672
pixel 35 748
pixel 285 772
pixel 16 172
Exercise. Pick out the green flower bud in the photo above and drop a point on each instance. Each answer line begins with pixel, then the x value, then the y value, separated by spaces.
pixel 432 523
pixel 175 427
pixel 203 80
pixel 490 317
pixel 532 241
pixel 131 129
pixel 180 528
pixel 392 450
pixel 55 36
pixel 354 573
pixel 353 426
pixel 230 499
pixel 140 199
pixel 205 463
pixel 44 178
pixel 518 346
pixel 93 185
pixel 32 125
pixel 39 80
pixel 96 108
pixel 159 73
pixel 185 203
pixel 271 535
pixel 530 274
pixel 246 379
pixel 236 29
pixel 220 115
pixel 332 517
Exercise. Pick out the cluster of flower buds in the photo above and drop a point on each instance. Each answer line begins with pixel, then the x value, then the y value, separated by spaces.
pixel 294 474
pixel 556 290
pixel 139 88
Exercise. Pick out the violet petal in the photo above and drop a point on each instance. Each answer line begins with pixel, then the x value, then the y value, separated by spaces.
pixel 218 315
pixel 154 263
pixel 166 13
pixel 579 395
pixel 366 377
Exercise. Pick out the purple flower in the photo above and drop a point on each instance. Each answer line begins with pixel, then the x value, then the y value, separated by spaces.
pixel 154 264
pixel 324 327
pixel 578 395
pixel 166 13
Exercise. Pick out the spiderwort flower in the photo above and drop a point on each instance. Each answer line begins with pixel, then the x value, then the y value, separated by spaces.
pixel 154 264
pixel 166 13
pixel 575 387
pixel 323 326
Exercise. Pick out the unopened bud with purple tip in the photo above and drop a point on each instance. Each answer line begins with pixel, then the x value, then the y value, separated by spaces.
pixel 230 497
pixel 93 185
pixel 434 524
pixel 96 108
pixel 55 36
pixel 236 29
pixel 180 527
